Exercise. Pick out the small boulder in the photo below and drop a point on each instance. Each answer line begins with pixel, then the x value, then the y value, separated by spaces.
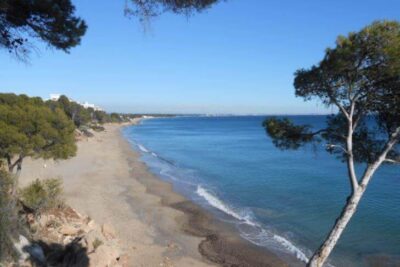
pixel 104 256
pixel 68 230
pixel 90 226
pixel 45 220
pixel 21 246
pixel 92 238
pixel 108 231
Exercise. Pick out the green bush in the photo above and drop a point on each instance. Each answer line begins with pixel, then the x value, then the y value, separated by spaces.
pixel 98 128
pixel 8 218
pixel 54 189
pixel 42 195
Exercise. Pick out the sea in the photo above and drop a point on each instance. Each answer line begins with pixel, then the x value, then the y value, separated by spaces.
pixel 285 201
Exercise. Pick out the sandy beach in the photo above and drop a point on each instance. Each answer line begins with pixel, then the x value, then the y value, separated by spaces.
pixel 156 226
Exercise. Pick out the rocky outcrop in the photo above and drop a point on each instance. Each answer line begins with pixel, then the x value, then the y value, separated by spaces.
pixel 63 237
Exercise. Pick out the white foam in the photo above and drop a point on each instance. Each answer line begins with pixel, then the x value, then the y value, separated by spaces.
pixel 283 242
pixel 218 204
pixel 142 148
pixel 290 247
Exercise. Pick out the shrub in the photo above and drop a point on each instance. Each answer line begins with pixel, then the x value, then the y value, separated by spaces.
pixel 8 218
pixel 54 190
pixel 86 131
pixel 98 128
pixel 42 195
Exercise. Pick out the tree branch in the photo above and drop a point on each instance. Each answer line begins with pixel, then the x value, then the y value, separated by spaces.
pixel 17 162
pixel 8 160
pixel 341 108
pixel 382 157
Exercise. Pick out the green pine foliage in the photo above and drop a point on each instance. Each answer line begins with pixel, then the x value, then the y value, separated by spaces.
pixel 28 127
pixel 86 117
pixel 42 195
pixel 52 21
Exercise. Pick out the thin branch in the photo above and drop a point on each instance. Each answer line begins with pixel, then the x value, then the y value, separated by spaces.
pixel 318 132
pixel 332 146
pixel 392 161
pixel 326 130
pixel 342 109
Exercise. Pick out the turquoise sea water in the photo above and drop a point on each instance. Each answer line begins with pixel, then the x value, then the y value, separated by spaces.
pixel 286 201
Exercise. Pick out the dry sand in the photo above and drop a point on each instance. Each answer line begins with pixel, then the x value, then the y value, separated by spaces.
pixel 156 226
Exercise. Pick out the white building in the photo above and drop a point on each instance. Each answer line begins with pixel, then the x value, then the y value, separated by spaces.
pixel 55 97
pixel 93 106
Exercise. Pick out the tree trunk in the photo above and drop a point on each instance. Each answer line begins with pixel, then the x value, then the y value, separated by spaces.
pixel 321 255
pixel 16 178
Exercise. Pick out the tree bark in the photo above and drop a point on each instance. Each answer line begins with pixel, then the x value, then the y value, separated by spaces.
pixel 321 255
pixel 16 177
pixel 9 164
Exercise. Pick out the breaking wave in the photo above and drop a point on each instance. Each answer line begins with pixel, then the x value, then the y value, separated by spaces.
pixel 258 236
pixel 142 148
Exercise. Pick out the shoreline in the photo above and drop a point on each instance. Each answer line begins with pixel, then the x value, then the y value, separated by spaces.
pixel 156 225
pixel 221 244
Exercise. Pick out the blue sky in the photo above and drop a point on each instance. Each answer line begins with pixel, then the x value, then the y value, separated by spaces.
pixel 237 57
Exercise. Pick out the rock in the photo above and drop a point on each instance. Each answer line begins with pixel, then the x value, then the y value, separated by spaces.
pixel 90 239
pixel 21 246
pixel 53 237
pixel 108 231
pixel 68 239
pixel 68 230
pixel 105 256
pixel 80 216
pixel 91 224
pixel 45 220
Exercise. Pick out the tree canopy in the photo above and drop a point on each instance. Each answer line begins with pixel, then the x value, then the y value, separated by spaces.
pixel 28 127
pixel 146 9
pixel 51 21
pixel 76 112
pixel 82 116
pixel 361 78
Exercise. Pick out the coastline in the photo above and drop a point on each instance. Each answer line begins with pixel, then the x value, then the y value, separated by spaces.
pixel 156 226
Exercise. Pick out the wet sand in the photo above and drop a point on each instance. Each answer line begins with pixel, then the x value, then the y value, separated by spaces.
pixel 155 225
